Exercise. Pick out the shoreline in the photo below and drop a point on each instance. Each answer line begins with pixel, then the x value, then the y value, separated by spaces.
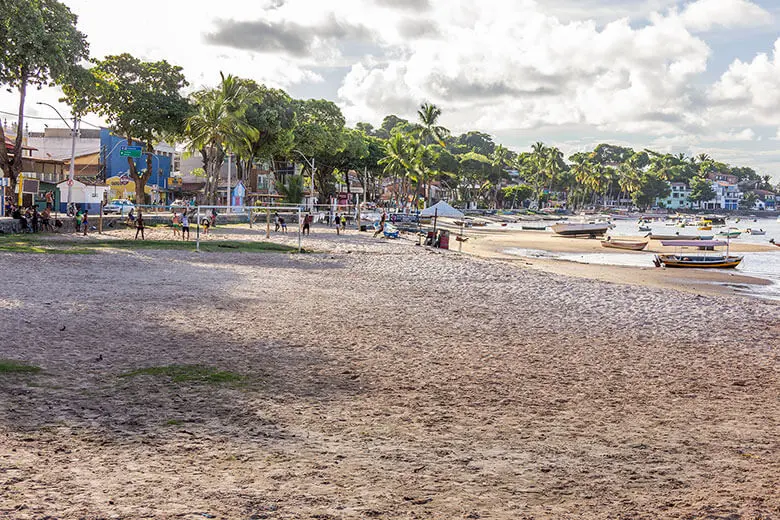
pixel 494 245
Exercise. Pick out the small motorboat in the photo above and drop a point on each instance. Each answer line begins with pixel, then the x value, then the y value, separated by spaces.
pixel 756 232
pixel 645 229
pixel 729 234
pixel 699 260
pixel 705 228
pixel 624 244
pixel 772 241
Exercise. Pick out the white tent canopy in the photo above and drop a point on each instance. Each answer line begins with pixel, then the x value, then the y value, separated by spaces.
pixel 441 209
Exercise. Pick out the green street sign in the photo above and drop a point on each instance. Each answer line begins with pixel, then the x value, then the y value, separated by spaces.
pixel 130 151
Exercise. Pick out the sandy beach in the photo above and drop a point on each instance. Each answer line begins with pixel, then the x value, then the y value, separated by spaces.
pixel 379 380
pixel 496 243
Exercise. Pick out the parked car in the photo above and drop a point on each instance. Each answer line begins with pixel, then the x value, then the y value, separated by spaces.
pixel 121 206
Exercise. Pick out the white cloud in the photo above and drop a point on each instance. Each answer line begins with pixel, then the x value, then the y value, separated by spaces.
pixel 749 91
pixel 519 67
pixel 703 15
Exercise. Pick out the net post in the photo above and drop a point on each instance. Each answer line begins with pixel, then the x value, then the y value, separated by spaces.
pixel 268 222
pixel 197 231
pixel 300 229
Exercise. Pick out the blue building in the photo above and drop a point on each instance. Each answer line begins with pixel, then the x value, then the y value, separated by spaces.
pixel 116 165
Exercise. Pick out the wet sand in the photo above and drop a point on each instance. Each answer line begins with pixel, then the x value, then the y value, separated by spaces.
pixel 698 281
pixel 381 380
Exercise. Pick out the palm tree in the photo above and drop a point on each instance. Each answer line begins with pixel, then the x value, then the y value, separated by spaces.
pixel 430 132
pixel 397 159
pixel 217 127
pixel 554 164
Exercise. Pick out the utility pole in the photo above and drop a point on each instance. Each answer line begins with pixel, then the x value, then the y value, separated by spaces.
pixel 311 165
pixel 73 135
pixel 229 197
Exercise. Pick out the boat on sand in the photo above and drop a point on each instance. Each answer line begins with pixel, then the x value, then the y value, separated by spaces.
pixel 699 259
pixel 574 229
pixel 624 244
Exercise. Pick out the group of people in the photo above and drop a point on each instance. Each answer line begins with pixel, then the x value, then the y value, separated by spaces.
pixel 30 220
pixel 181 225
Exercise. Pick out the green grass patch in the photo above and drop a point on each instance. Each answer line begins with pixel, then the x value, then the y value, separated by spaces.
pixel 188 373
pixel 8 366
pixel 174 422
pixel 23 244
pixel 34 244
pixel 210 246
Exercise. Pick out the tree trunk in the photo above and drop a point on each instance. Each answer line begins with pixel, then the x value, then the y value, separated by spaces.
pixel 13 167
pixel 138 178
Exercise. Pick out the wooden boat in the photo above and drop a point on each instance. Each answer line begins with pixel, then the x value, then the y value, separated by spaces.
pixel 570 229
pixel 624 244
pixel 705 228
pixel 730 234
pixel 651 236
pixel 534 227
pixel 716 260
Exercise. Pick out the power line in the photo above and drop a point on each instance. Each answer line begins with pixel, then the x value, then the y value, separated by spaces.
pixel 47 118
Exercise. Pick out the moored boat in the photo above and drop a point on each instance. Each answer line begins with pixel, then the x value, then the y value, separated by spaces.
pixel 534 227
pixel 730 234
pixel 652 236
pixel 756 232
pixel 645 229
pixel 624 244
pixel 716 260
pixel 572 229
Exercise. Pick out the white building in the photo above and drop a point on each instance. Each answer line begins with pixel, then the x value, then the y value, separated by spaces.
pixel 727 196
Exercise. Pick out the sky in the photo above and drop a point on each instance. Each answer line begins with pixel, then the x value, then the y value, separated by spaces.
pixel 693 76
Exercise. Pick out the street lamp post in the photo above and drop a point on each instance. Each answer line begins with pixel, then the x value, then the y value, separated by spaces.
pixel 73 134
pixel 311 166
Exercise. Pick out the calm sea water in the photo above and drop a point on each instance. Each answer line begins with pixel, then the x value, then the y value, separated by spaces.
pixel 762 265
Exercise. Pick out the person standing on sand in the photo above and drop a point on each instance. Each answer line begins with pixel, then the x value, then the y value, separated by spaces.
pixel 344 223
pixel 276 222
pixel 139 226
pixel 85 222
pixel 306 228
pixel 382 221
pixel 175 222
pixel 337 221
pixel 185 225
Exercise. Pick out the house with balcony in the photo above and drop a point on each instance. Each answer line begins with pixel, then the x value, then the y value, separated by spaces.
pixel 727 196
pixel 678 197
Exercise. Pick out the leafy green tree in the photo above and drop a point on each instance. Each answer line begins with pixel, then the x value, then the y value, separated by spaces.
pixel 319 135
pixel 652 186
pixel 271 115
pixel 292 192
pixel 610 154
pixel 517 194
pixel 40 45
pixel 143 103
pixel 478 142
pixel 701 190
pixel 393 122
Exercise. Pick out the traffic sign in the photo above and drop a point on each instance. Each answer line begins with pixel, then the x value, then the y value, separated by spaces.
pixel 5 181
pixel 130 151
pixel 70 182
pixel 124 179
